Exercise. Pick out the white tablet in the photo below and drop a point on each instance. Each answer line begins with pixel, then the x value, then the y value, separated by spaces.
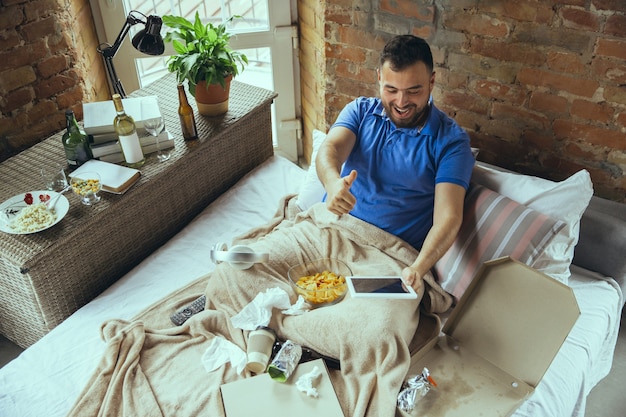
pixel 379 287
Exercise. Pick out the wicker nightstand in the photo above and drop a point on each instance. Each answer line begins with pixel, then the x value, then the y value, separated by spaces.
pixel 45 277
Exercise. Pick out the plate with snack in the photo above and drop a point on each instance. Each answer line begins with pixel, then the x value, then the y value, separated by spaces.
pixel 28 213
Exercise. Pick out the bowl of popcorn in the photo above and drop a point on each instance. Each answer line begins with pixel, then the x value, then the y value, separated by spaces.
pixel 321 282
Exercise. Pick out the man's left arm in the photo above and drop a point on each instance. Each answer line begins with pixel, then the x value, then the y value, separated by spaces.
pixel 447 218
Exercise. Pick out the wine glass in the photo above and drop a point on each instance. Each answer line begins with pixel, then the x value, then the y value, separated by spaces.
pixel 154 124
pixel 54 178
pixel 87 186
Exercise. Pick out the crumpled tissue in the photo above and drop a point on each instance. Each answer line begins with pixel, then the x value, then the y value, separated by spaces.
pixel 305 382
pixel 221 351
pixel 259 311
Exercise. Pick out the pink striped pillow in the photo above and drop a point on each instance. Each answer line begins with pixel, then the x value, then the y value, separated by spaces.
pixel 493 226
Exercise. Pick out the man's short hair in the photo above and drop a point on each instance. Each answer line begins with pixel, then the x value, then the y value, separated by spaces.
pixel 405 50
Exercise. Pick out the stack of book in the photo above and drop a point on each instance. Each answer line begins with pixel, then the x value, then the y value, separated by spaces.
pixel 98 124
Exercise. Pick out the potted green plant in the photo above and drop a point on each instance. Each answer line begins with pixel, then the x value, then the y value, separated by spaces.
pixel 204 58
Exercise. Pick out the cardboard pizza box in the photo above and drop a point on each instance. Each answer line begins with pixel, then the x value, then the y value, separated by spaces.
pixel 261 396
pixel 497 343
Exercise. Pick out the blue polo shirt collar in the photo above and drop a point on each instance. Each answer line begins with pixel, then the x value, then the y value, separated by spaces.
pixel 430 128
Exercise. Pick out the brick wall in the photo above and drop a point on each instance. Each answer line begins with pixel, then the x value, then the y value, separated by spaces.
pixel 539 85
pixel 48 63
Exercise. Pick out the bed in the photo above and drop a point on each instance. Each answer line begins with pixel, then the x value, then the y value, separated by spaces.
pixel 49 377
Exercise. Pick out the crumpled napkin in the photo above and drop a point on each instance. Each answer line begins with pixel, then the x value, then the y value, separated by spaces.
pixel 305 382
pixel 221 351
pixel 259 311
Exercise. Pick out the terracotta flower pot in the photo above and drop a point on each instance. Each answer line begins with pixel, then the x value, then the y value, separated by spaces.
pixel 213 101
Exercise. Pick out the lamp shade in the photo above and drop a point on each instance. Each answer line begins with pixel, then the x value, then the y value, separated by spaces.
pixel 149 40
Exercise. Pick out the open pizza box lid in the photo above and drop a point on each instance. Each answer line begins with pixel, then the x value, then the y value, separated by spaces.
pixel 497 343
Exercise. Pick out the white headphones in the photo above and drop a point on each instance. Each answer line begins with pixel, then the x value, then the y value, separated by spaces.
pixel 240 256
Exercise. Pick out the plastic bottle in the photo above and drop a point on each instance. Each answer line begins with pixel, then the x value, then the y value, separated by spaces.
pixel 185 112
pixel 129 140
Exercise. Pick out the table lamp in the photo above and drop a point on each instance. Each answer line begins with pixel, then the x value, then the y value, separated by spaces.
pixel 147 40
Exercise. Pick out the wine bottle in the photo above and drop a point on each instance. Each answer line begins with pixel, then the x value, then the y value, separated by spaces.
pixel 127 132
pixel 75 142
pixel 185 112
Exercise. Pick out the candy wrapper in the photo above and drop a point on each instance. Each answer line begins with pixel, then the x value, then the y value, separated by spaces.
pixel 418 384
pixel 285 361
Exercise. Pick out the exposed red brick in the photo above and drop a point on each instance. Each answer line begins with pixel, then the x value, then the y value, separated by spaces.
pixel 342 17
pixel 9 39
pixel 565 62
pixel 612 47
pixel 42 110
pixel 506 51
pixel 610 69
pixel 552 38
pixel 424 32
pixel 578 86
pixel 615 5
pixel 519 114
pixel 23 55
pixel 408 8
pixel 467 120
pixel 616 25
pixel 615 94
pixel 503 72
pixel 17 78
pixel 456 80
pixel 53 85
pixel 548 103
pixel 69 98
pixel 39 29
pixel 579 19
pixel 499 91
pixel 37 9
pixel 16 99
pixel 560 168
pixel 537 139
pixel 357 37
pixel 52 65
pixel 345 52
pixel 11 16
pixel 465 101
pixel 477 24
pixel 523 10
pixel 503 129
pixel 621 119
pixel 568 130
pixel 600 112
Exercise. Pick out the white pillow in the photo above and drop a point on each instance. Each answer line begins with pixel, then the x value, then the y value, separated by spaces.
pixel 565 200
pixel 312 191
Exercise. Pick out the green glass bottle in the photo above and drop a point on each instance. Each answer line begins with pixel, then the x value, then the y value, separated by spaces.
pixel 129 140
pixel 75 142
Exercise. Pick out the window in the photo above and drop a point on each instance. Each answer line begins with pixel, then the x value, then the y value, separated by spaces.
pixel 264 33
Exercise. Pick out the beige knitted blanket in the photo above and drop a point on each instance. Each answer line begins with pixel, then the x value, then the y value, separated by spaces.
pixel 153 368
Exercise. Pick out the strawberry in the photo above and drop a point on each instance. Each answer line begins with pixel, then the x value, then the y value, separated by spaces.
pixel 28 198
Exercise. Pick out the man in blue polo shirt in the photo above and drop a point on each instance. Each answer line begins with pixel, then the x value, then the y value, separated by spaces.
pixel 406 164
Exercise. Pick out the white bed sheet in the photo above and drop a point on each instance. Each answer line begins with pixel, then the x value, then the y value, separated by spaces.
pixel 47 378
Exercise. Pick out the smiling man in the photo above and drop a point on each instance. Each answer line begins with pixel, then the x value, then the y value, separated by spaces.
pixel 406 164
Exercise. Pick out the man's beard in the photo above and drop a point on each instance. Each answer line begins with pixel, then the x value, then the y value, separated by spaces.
pixel 418 119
